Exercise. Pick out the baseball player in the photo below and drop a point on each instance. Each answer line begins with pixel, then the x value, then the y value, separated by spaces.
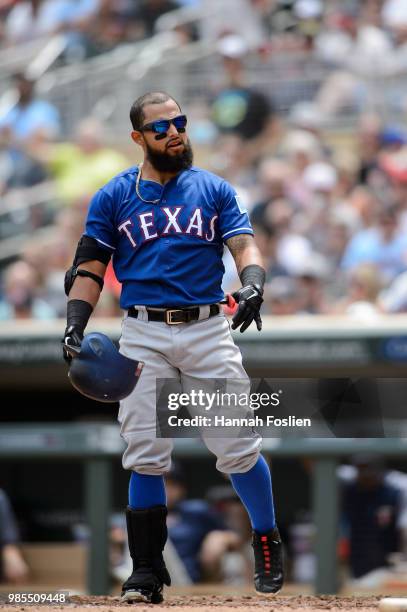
pixel 165 222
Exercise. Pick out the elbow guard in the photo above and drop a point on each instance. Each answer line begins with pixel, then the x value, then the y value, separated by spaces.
pixel 88 249
pixel 73 272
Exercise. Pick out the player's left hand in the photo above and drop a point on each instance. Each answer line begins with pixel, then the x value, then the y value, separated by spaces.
pixel 250 300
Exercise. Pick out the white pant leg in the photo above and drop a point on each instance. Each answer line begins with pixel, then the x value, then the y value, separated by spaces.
pixel 208 351
pixel 147 342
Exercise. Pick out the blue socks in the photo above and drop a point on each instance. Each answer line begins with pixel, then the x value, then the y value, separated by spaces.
pixel 254 489
pixel 146 491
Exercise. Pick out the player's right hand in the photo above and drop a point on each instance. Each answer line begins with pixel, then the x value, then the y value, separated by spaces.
pixel 71 343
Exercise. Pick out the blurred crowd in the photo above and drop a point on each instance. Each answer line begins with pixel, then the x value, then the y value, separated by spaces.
pixel 89 27
pixel 329 206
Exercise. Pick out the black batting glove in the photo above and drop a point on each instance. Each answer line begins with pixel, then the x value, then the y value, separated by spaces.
pixel 71 343
pixel 250 300
pixel 77 317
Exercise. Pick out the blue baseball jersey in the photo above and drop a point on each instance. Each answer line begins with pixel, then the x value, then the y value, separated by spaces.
pixel 167 253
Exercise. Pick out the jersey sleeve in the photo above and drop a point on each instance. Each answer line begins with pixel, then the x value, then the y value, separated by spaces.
pixel 233 217
pixel 100 221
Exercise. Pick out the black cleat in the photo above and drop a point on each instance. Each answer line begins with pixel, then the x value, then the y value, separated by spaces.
pixel 142 595
pixel 133 596
pixel 268 562
pixel 143 585
pixel 147 534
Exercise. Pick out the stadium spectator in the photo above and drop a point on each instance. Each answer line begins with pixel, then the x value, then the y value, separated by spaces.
pixel 362 208
pixel 30 118
pixel 383 245
pixel 148 11
pixel 364 285
pixel 282 296
pixel 236 564
pixel 18 168
pixel 66 161
pixel 337 235
pixel 230 160
pixel 371 509
pixel 307 117
pixel 238 108
pixel 369 142
pixel 13 568
pixel 197 532
pixel 5 6
pixel 394 298
pixel 31 19
pixel 347 474
pixel 241 17
pixel 20 295
pixel 319 181
pixel 111 27
pixel 288 248
pixel 53 256
pixel 127 20
pixel 300 149
pixel 22 127
pixel 266 238
pixel 273 176
pixel 312 275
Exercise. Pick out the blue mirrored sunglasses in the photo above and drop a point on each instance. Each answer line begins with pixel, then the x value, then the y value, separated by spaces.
pixel 161 126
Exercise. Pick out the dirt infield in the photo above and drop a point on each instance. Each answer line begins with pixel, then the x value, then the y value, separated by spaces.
pixel 215 603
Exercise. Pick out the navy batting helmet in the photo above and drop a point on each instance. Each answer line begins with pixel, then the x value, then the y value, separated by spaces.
pixel 102 373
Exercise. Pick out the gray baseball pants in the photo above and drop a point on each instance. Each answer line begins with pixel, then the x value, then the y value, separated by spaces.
pixel 198 350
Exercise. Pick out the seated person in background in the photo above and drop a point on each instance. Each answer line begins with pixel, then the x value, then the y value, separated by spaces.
pixel 30 118
pixel 371 508
pixel 66 160
pixel 21 299
pixel 195 530
pixel 237 564
pixel 12 567
pixel 32 19
pixel 24 126
pixel 198 538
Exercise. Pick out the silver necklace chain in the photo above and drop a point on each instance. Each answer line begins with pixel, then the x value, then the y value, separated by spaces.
pixel 138 191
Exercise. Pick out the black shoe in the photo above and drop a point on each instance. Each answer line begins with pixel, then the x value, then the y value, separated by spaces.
pixel 143 585
pixel 268 561
pixel 147 534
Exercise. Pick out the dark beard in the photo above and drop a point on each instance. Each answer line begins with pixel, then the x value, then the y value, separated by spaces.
pixel 163 162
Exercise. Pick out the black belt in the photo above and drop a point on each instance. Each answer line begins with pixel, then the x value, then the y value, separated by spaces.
pixel 174 316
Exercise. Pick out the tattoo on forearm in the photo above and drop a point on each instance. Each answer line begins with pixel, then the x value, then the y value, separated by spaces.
pixel 244 251
pixel 237 244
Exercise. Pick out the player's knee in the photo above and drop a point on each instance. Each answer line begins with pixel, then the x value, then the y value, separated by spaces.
pixel 147 456
pixel 239 464
pixel 150 469
pixel 236 455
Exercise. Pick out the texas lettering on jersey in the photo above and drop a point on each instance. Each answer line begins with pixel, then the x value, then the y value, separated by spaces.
pixel 195 226
pixel 167 246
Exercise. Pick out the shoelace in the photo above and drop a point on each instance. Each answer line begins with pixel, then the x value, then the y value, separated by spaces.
pixel 268 554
